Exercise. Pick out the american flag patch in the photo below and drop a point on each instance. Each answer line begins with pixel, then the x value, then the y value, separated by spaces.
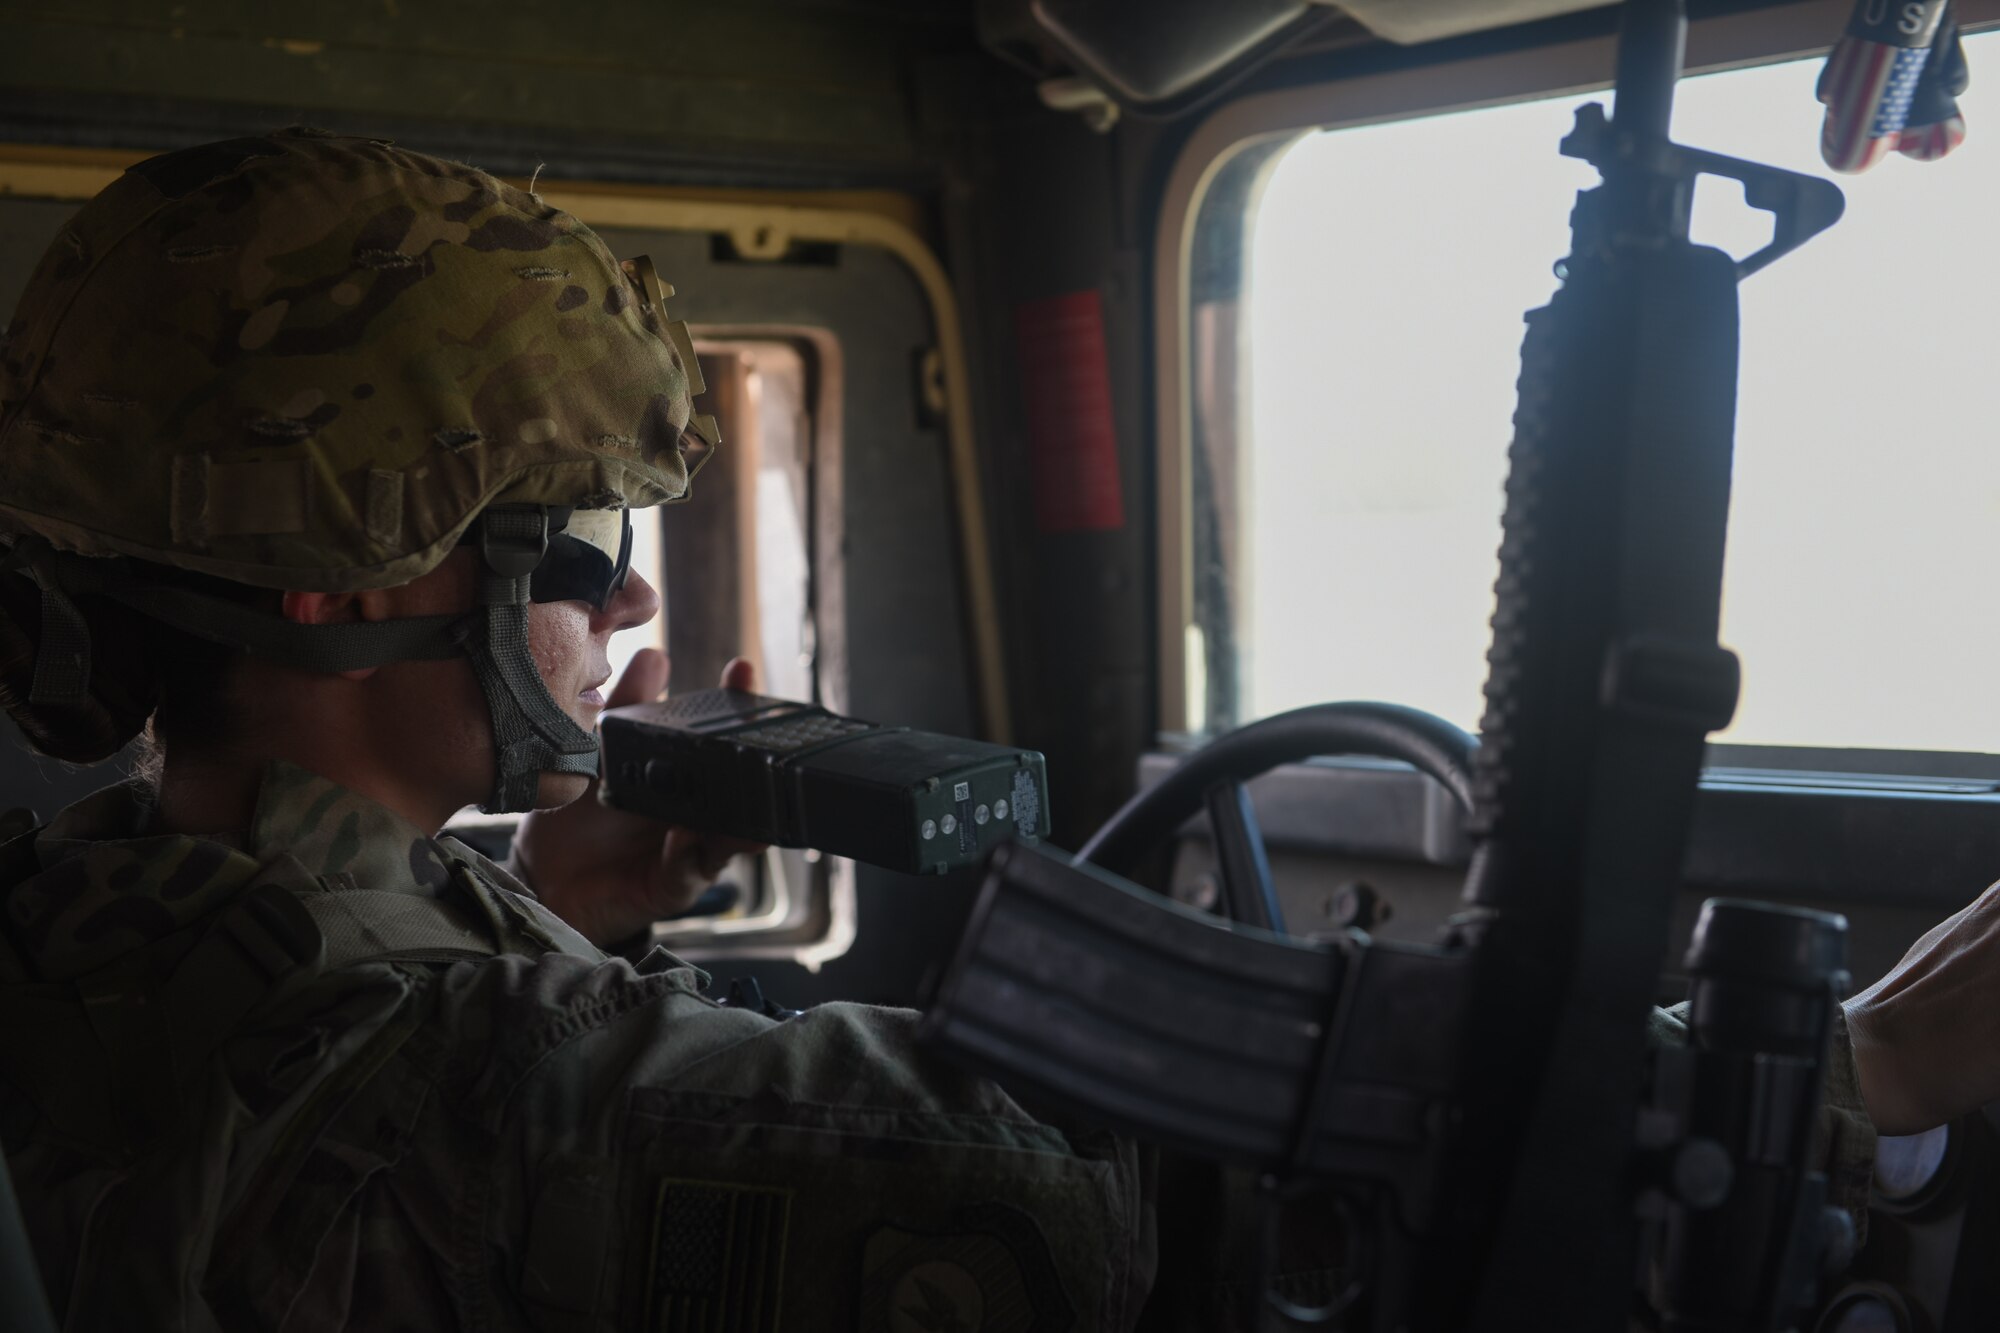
pixel 718 1258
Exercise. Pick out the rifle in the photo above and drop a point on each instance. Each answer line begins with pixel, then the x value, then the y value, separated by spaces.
pixel 1394 1076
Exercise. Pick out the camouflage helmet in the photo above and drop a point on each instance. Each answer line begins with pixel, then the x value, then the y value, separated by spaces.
pixel 306 361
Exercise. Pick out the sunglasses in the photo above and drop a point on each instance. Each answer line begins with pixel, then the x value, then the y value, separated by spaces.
pixel 578 555
pixel 590 553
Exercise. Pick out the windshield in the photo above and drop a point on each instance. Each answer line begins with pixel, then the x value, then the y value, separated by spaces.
pixel 1387 271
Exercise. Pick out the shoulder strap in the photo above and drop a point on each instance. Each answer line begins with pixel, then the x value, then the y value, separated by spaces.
pixel 513 906
pixel 487 914
pixel 370 925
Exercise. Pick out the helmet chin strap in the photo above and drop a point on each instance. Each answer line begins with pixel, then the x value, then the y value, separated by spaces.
pixel 531 733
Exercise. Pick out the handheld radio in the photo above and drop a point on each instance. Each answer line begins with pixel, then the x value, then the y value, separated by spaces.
pixel 795 775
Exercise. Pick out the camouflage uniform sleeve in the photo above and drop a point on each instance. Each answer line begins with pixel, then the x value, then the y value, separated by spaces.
pixel 1844 1142
pixel 615 1150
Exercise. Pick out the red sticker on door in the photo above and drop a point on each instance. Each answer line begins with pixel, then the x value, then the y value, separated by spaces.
pixel 1073 443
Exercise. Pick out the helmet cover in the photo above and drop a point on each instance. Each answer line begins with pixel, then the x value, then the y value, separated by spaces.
pixel 306 361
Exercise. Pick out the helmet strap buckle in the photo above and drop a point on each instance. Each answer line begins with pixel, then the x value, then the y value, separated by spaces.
pixel 513 540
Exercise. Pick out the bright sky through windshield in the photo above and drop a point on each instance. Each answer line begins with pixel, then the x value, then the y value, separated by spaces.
pixel 1390 269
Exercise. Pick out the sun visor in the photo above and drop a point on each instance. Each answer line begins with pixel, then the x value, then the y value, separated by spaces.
pixel 1166 57
pixel 1159 57
pixel 1408 21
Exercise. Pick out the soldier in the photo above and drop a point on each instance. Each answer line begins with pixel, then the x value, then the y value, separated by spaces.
pixel 322 454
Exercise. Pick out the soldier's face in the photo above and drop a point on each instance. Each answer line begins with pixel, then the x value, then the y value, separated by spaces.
pixel 571 644
pixel 431 718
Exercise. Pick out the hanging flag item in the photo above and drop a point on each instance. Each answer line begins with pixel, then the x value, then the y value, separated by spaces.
pixel 1892 84
pixel 1935 125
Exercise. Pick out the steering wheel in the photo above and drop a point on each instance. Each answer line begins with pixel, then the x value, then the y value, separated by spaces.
pixel 1212 778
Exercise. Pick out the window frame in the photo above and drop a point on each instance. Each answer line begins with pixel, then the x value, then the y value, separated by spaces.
pixel 1263 124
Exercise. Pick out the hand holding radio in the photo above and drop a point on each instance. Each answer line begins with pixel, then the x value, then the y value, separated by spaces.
pixel 611 874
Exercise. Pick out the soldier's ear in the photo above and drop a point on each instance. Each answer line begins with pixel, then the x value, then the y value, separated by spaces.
pixel 334 608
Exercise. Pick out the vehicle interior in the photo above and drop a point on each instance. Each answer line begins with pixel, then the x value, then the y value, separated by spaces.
pixel 1098 379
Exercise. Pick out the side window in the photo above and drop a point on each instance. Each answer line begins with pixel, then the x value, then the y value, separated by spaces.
pixel 740 563
pixel 1347 479
pixel 739 577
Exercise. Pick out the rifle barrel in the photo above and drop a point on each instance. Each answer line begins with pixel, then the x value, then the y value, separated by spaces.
pixel 1651 46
